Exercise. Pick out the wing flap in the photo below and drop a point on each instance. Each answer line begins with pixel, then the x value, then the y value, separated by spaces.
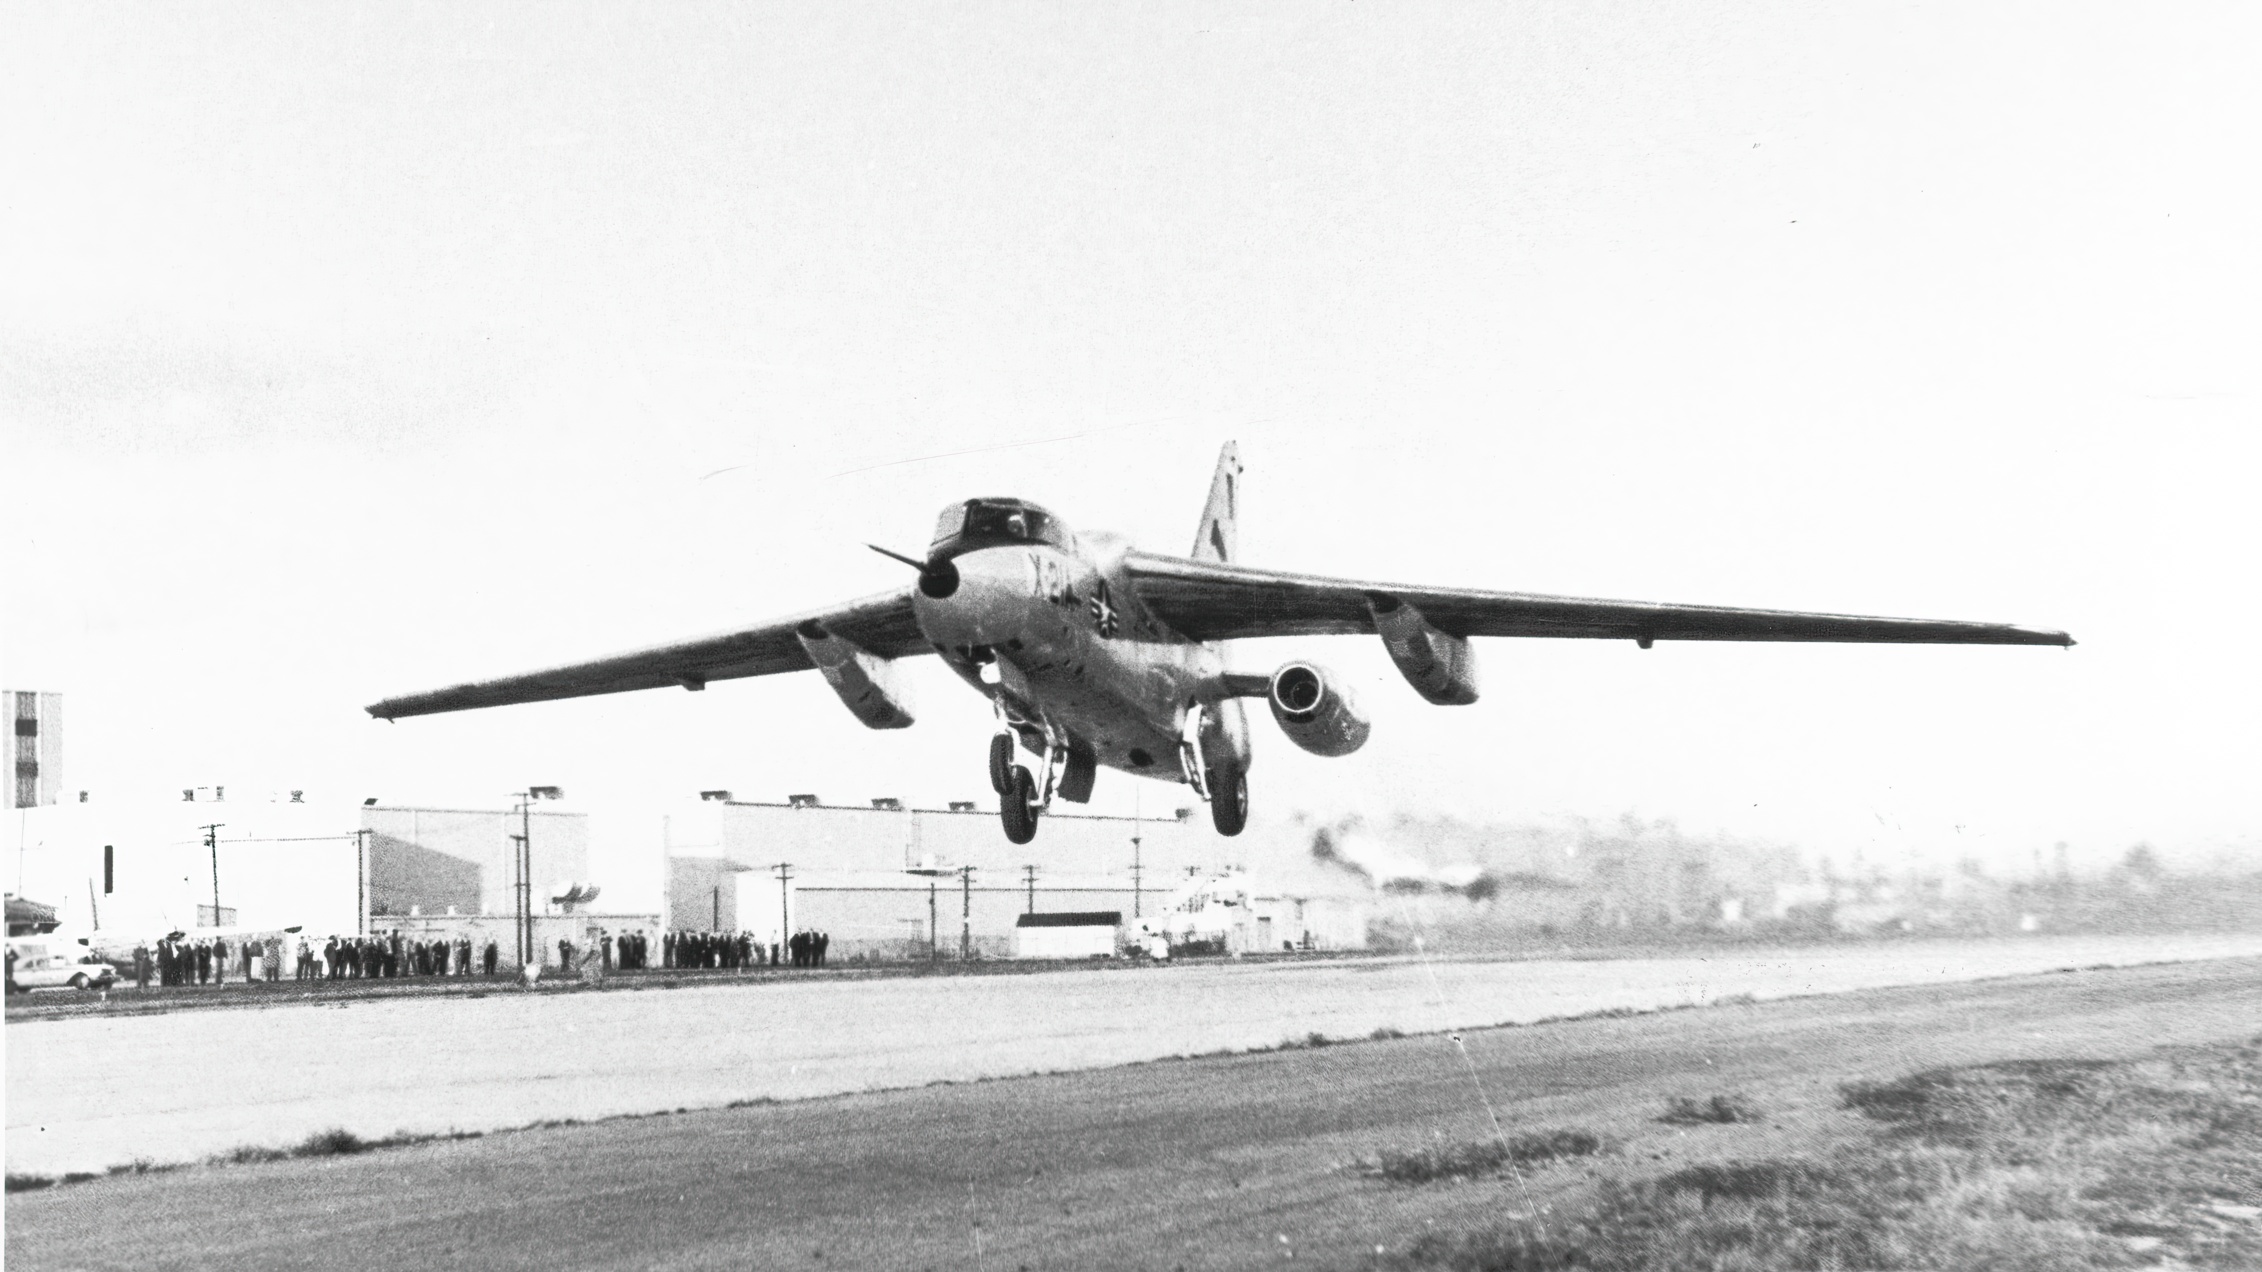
pixel 1206 601
pixel 884 624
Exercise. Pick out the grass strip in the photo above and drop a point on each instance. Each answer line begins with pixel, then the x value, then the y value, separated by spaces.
pixel 2022 1166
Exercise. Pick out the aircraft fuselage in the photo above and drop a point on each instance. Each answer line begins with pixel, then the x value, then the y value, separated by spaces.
pixel 1058 637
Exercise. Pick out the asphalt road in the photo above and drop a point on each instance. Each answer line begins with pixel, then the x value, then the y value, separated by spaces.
pixel 1213 1163
pixel 206 1082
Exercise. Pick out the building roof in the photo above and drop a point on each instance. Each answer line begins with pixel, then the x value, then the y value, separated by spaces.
pixel 30 914
pixel 1072 918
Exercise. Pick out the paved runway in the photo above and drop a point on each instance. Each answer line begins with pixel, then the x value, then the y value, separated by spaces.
pixel 85 1094
pixel 1204 1166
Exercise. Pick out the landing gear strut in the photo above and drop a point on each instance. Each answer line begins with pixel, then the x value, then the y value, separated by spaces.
pixel 1001 763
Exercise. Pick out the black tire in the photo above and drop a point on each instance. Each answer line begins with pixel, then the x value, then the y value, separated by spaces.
pixel 1229 800
pixel 1018 807
pixel 1001 763
pixel 78 981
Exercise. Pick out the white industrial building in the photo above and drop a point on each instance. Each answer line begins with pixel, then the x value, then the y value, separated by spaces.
pixel 224 856
pixel 882 881
pixel 890 882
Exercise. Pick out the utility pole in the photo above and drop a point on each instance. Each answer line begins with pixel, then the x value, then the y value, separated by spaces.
pixel 1136 827
pixel 212 841
pixel 934 951
pixel 527 953
pixel 361 881
pixel 785 933
pixel 518 895
pixel 966 914
pixel 1031 872
pixel 526 882
pixel 519 855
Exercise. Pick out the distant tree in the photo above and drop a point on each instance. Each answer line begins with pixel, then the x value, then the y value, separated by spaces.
pixel 2142 862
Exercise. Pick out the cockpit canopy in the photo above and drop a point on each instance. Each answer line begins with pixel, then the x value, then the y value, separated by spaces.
pixel 990 523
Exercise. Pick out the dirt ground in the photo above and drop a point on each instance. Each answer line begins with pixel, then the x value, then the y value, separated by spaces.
pixel 1210 1163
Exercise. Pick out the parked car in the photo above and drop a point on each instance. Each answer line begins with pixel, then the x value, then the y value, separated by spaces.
pixel 45 963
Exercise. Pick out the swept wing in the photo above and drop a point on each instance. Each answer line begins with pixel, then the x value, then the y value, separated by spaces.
pixel 1210 600
pixel 883 625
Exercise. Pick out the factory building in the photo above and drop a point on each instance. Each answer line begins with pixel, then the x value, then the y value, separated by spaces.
pixel 888 882
pixel 883 881
pixel 216 856
pixel 456 872
pixel 192 858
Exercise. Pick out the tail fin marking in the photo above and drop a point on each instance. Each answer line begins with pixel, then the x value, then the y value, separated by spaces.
pixel 1219 535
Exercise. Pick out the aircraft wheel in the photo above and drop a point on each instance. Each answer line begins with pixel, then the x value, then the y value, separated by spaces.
pixel 1001 763
pixel 1018 807
pixel 1229 800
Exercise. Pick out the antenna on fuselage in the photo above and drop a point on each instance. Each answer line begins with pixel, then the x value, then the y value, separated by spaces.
pixel 913 562
pixel 937 580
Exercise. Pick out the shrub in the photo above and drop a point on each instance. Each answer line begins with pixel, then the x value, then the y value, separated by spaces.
pixel 1682 1110
pixel 1483 1157
pixel 335 1142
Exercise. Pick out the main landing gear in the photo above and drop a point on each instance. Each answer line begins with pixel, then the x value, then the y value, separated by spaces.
pixel 1229 800
pixel 1226 788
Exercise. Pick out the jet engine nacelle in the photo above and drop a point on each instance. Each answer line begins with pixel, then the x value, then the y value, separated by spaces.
pixel 867 683
pixel 1315 710
pixel 1439 665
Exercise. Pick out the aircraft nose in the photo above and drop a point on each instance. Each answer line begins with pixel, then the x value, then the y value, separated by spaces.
pixel 981 605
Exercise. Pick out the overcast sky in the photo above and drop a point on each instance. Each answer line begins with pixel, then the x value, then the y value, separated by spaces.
pixel 350 350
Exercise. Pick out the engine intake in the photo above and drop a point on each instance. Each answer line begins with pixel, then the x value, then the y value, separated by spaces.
pixel 1315 710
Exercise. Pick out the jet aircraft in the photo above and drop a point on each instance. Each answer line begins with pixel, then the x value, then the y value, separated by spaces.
pixel 1095 654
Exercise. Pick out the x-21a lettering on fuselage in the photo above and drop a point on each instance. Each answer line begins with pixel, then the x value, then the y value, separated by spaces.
pixel 1094 654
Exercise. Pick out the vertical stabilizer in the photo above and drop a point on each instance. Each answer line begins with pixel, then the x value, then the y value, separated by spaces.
pixel 1220 529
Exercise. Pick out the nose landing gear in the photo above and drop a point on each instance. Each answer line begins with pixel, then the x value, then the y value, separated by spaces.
pixel 1018 807
pixel 1020 796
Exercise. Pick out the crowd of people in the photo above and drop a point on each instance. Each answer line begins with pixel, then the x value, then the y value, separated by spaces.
pixel 692 948
pixel 177 960
pixel 390 955
pixel 180 960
